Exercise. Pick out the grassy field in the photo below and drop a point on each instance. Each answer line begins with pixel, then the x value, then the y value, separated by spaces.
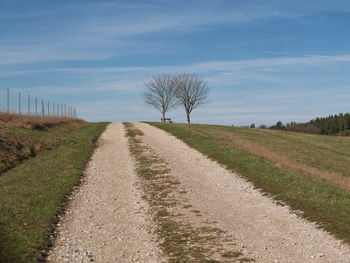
pixel 310 173
pixel 33 190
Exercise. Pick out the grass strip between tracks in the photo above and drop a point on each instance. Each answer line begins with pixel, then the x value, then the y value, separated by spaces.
pixel 33 193
pixel 179 240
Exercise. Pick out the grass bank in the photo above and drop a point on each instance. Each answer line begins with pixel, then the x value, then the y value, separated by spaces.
pixel 21 137
pixel 319 199
pixel 33 192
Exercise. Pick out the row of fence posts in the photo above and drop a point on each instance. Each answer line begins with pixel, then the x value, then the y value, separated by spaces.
pixel 41 107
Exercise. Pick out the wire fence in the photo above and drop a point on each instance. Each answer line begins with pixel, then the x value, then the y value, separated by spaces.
pixel 25 104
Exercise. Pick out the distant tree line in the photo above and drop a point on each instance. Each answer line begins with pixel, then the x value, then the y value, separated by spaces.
pixel 338 124
pixel 333 124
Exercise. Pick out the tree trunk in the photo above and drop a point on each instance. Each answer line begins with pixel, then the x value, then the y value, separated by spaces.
pixel 188 117
pixel 163 115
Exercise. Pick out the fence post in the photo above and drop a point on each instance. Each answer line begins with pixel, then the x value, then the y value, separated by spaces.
pixel 8 100
pixel 28 104
pixel 36 106
pixel 19 103
pixel 33 106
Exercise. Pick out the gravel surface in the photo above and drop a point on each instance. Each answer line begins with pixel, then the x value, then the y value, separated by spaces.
pixel 106 219
pixel 269 232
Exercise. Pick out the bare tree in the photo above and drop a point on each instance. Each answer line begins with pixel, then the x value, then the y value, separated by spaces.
pixel 161 93
pixel 191 91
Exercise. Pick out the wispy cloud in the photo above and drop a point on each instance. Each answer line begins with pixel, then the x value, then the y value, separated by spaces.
pixel 280 71
pixel 226 68
pixel 110 30
pixel 265 64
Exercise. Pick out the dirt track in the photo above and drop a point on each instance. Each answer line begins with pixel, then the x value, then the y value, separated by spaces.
pixel 106 220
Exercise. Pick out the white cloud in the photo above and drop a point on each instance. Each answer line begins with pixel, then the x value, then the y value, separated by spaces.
pixel 227 67
pixel 279 72
pixel 104 30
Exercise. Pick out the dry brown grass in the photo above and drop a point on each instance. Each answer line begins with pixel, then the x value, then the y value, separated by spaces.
pixel 32 122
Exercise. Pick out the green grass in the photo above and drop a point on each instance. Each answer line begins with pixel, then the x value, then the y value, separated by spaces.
pixel 33 193
pixel 327 153
pixel 19 143
pixel 321 202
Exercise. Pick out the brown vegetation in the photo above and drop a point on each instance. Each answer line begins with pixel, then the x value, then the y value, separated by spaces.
pixel 32 122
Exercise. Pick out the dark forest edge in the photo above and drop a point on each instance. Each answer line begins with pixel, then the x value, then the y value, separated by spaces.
pixel 338 124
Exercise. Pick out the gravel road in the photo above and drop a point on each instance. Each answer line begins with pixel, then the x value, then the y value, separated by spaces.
pixel 264 230
pixel 106 219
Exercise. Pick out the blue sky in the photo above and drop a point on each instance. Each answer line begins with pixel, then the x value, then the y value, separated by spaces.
pixel 264 60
